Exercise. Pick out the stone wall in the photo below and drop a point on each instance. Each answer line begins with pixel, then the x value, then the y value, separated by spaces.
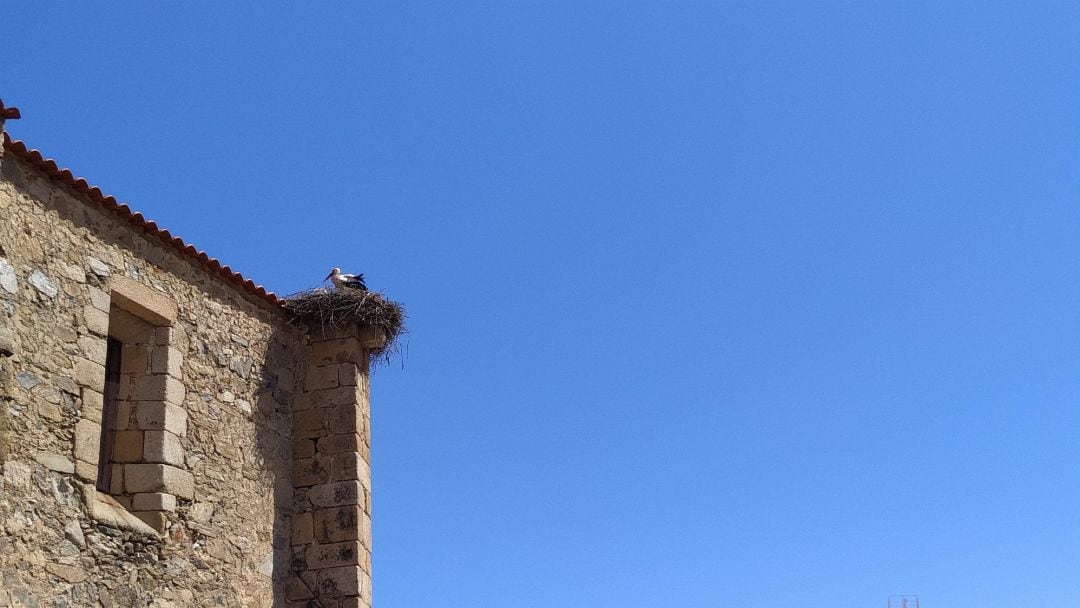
pixel 199 511
pixel 331 537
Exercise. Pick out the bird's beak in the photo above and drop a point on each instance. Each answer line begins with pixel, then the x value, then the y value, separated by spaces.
pixel 329 275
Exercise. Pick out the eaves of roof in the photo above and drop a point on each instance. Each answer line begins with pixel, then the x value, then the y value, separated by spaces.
pixel 93 196
pixel 7 113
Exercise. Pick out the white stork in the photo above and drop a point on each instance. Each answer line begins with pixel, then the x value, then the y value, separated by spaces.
pixel 346 281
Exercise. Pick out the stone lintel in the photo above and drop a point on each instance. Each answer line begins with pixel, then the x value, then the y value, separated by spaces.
pixel 148 304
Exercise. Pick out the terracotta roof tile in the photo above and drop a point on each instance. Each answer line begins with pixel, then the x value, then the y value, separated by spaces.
pixel 93 196
pixel 7 113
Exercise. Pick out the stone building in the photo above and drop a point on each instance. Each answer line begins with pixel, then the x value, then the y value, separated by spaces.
pixel 167 436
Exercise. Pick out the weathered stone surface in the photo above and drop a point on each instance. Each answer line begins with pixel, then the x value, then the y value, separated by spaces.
pixel 113 514
pixel 348 374
pixel 87 441
pixel 161 478
pixel 310 472
pixel 337 444
pixel 154 519
pixel 96 321
pixel 163 447
pixel 154 416
pixel 336 494
pixel 128 446
pixel 334 555
pixel 165 360
pixel 302 529
pixel 93 348
pixel 89 374
pixel 135 359
pixel 298 589
pixel 329 397
pixel 337 351
pixel 8 280
pixel 48 410
pixel 337 524
pixel 159 387
pixel 43 283
pixel 144 302
pixel 346 418
pixel 93 403
pixel 7 342
pixel 340 582
pixel 55 462
pixel 73 532
pixel 350 465
pixel 99 299
pixel 156 501
pixel 27 380
pixel 321 377
pixel 97 267
pixel 70 574
pixel 85 471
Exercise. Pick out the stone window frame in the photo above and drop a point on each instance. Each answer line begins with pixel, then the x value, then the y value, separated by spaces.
pixel 152 483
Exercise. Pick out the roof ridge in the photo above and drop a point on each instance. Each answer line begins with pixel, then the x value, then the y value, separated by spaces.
pixel 94 196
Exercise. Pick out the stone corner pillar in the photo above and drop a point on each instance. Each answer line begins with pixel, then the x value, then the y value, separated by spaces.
pixel 331 535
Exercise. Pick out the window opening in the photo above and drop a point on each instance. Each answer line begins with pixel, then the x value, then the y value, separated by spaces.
pixel 114 348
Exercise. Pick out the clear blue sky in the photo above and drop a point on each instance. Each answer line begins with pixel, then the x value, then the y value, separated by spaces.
pixel 747 305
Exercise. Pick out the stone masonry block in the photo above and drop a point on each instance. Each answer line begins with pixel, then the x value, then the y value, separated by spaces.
pixel 129 328
pixel 328 398
pixel 157 416
pixel 340 582
pixel 160 387
pixel 298 589
pixel 303 448
pixel 350 466
pixel 338 524
pixel 321 377
pixel 310 472
pixel 334 555
pixel 153 501
pixel 302 530
pixel 345 419
pixel 85 471
pixel 167 335
pixel 117 479
pixel 163 447
pixel 128 446
pixel 338 444
pixel 93 348
pixel 89 374
pixel 344 350
pixel 309 420
pixel 152 305
pixel 348 374
pixel 337 494
pixel 154 519
pixel 165 360
pixel 159 478
pixel 96 321
pixel 92 404
pixel 87 441
pixel 134 359
pixel 99 299
pixel 123 415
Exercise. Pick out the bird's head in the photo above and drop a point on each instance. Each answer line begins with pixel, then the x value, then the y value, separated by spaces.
pixel 336 270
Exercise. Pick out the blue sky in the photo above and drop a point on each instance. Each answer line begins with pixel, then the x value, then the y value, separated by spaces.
pixel 712 304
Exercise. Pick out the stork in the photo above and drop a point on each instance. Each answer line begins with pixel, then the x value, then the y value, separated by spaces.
pixel 346 281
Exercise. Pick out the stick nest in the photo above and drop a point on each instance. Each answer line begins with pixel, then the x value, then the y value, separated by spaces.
pixel 328 309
